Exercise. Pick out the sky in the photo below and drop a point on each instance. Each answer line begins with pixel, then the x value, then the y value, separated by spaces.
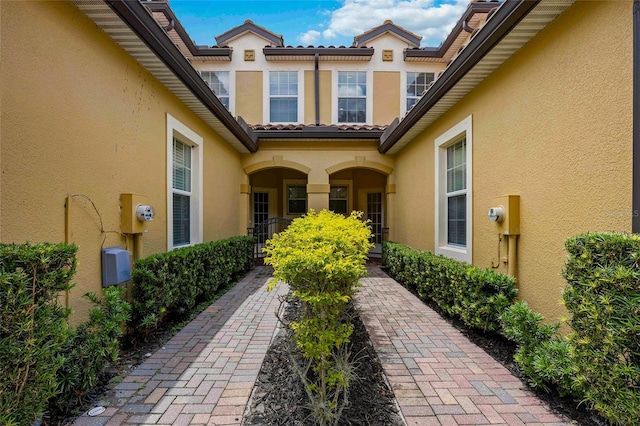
pixel 318 22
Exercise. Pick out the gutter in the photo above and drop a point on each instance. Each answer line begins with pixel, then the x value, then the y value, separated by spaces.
pixel 438 52
pixel 140 20
pixel 500 24
pixel 174 23
pixel 322 51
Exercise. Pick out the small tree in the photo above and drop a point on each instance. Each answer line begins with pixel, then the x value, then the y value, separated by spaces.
pixel 322 256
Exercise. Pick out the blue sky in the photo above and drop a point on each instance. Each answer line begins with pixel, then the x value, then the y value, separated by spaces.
pixel 318 22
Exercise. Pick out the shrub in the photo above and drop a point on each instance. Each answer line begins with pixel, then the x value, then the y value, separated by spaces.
pixel 477 296
pixel 90 347
pixel 543 356
pixel 33 326
pixel 173 282
pixel 322 256
pixel 603 296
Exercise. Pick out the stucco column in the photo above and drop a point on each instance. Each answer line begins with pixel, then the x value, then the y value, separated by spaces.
pixel 245 205
pixel 390 191
pixel 318 190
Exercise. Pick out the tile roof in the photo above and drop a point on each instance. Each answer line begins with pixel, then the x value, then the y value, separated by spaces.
pixel 388 26
pixel 321 127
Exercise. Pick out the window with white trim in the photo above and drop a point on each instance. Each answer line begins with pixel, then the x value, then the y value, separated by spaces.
pixel 218 82
pixel 352 96
pixel 283 96
pixel 453 192
pixel 417 83
pixel 184 172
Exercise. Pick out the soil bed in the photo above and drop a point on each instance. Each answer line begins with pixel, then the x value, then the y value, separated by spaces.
pixel 279 397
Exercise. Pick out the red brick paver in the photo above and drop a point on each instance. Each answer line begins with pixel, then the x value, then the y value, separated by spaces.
pixel 205 373
pixel 438 376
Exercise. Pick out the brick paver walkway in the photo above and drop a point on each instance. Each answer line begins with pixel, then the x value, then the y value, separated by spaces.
pixel 438 376
pixel 204 375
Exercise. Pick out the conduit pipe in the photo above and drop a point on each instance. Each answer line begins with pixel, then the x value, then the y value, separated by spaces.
pixel 512 256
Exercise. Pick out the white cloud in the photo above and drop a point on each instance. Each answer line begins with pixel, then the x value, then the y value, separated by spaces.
pixel 430 19
pixel 310 37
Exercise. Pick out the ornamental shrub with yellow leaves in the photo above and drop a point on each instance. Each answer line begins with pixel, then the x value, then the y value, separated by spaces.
pixel 321 256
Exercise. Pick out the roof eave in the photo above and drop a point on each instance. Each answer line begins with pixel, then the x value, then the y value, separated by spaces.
pixel 195 50
pixel 140 20
pixel 320 133
pixel 501 23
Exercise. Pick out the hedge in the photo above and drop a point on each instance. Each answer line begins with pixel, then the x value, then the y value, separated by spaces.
pixel 475 295
pixel 172 283
pixel 33 326
pixel 603 296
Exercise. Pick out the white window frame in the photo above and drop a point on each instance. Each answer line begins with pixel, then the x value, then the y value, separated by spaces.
pixel 176 129
pixel 461 130
pixel 406 87
pixel 368 97
pixel 297 96
pixel 221 97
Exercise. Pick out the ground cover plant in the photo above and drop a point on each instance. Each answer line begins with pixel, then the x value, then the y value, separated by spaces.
pixel 322 256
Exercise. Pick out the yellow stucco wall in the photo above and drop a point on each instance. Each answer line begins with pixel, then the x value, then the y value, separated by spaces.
pixel 386 96
pixel 310 97
pixel 80 116
pixel 553 124
pixel 249 92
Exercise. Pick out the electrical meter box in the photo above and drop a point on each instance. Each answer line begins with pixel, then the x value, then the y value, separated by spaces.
pixel 510 223
pixel 116 266
pixel 131 224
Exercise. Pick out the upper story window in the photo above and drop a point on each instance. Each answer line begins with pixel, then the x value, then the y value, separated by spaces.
pixel 352 96
pixel 218 82
pixel 417 83
pixel 283 96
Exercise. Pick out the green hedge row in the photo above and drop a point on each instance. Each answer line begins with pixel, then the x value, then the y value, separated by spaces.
pixel 603 297
pixel 477 296
pixel 33 326
pixel 45 365
pixel 173 283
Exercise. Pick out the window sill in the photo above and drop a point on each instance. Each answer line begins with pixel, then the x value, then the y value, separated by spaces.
pixel 453 252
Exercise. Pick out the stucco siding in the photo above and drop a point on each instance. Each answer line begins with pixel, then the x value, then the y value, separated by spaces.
pixel 553 124
pixel 81 117
pixel 249 96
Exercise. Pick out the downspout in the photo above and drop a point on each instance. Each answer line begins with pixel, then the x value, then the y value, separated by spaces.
pixel 317 88
pixel 512 256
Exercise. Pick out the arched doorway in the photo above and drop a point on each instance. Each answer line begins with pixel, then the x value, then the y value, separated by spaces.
pixel 361 189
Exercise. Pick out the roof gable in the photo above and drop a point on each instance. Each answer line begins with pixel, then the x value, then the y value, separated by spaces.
pixel 413 40
pixel 273 39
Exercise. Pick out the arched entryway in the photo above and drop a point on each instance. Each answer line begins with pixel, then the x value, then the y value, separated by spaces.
pixel 361 189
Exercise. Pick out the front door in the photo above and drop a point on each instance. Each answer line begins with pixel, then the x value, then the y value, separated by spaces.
pixel 260 215
pixel 372 201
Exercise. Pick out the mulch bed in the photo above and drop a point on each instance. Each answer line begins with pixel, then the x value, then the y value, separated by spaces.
pixel 279 397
